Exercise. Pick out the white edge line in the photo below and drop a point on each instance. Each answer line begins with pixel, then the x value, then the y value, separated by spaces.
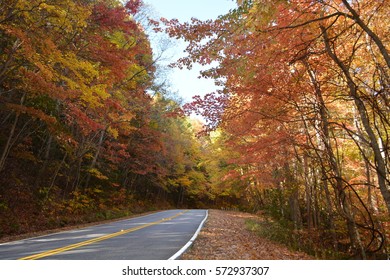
pixel 189 243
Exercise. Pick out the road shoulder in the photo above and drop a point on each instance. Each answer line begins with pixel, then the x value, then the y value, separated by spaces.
pixel 225 237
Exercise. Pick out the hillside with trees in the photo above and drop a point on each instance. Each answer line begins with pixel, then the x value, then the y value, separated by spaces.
pixel 85 132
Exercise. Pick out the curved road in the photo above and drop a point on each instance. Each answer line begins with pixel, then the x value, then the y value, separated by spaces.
pixel 156 236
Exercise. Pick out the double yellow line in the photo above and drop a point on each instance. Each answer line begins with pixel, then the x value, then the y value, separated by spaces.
pixel 97 239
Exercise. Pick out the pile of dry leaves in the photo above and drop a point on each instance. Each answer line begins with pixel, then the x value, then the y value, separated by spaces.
pixel 225 237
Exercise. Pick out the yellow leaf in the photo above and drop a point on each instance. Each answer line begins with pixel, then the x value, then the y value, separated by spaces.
pixel 113 131
pixel 97 174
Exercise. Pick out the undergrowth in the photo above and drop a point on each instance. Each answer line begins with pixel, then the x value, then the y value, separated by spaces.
pixel 283 232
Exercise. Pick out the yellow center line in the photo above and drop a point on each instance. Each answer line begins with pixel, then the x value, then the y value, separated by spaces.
pixel 97 239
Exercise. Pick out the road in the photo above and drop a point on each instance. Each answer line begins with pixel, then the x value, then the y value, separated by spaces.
pixel 156 236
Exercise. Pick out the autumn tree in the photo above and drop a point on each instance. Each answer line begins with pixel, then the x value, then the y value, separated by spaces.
pixel 304 90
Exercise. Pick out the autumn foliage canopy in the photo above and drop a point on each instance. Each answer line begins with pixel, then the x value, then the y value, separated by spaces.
pixel 298 130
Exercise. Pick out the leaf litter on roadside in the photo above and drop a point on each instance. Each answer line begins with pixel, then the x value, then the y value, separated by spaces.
pixel 225 237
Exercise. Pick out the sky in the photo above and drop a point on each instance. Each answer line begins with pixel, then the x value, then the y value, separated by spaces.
pixel 185 82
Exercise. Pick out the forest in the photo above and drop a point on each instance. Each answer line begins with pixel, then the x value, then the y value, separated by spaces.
pixel 298 132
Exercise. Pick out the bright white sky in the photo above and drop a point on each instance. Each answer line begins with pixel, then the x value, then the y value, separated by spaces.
pixel 185 82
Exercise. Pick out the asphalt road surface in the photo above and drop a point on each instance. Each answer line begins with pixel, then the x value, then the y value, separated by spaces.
pixel 156 236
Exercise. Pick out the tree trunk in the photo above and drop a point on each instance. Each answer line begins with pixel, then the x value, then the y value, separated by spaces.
pixel 296 215
pixel 181 197
pixel 308 194
pixel 42 170
pixel 96 156
pixel 330 210
pixel 353 92
pixel 335 170
pixel 8 144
